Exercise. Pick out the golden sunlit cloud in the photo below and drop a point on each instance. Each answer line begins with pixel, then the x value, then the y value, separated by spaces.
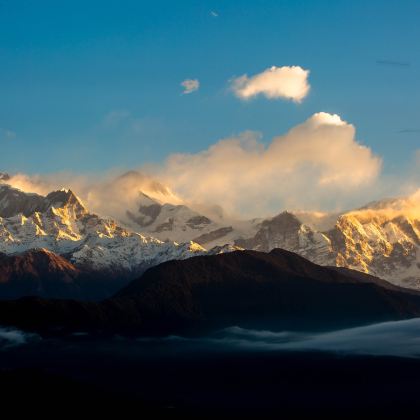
pixel 316 165
pixel 274 83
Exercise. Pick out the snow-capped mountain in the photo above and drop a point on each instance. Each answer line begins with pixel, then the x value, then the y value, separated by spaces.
pixel 60 223
pixel 166 221
pixel 177 222
pixel 382 238
pixel 143 204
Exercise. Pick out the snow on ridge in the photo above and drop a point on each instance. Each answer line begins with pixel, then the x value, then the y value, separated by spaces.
pixel 382 238
pixel 64 226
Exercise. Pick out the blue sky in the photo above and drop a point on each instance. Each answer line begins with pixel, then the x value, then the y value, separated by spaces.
pixel 87 86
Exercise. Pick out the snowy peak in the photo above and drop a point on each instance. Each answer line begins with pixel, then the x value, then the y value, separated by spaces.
pixel 14 202
pixel 281 231
pixel 141 183
pixel 65 200
pixel 60 223
pixel 382 239
pixel 166 221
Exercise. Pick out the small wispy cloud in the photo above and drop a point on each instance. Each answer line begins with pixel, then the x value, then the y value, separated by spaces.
pixel 115 117
pixel 7 134
pixel 393 63
pixel 190 86
pixel 214 14
pixel 287 82
pixel 126 123
pixel 409 130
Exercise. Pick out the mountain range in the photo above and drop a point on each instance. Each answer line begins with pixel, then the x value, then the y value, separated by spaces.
pixel 56 236
pixel 381 238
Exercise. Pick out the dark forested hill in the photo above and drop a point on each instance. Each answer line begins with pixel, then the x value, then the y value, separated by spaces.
pixel 276 290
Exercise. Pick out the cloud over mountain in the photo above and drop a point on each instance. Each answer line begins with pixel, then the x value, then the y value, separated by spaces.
pixel 287 82
pixel 318 164
pixel 315 163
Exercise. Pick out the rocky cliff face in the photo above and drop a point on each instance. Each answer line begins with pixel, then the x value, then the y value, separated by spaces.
pixel 59 222
pixel 376 241
pixel 381 238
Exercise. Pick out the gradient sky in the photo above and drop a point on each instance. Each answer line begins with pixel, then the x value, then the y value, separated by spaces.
pixel 92 85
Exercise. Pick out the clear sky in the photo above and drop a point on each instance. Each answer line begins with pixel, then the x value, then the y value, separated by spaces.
pixel 91 85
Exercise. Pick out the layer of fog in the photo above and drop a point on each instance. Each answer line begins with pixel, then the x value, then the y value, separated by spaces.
pixel 11 337
pixel 397 338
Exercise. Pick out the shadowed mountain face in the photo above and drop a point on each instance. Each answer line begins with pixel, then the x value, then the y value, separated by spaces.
pixel 36 272
pixel 39 272
pixel 14 201
pixel 274 291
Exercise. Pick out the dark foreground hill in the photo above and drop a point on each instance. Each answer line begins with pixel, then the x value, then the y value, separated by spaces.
pixel 276 290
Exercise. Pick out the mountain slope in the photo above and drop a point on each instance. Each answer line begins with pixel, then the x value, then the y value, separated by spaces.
pixel 37 272
pixel 40 272
pixel 376 239
pixel 276 291
pixel 273 290
pixel 178 222
pixel 381 238
pixel 146 205
pixel 61 224
pixel 167 221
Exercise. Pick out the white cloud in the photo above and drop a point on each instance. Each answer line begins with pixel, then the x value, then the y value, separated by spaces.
pixel 109 194
pixel 274 83
pixel 190 85
pixel 214 14
pixel 317 164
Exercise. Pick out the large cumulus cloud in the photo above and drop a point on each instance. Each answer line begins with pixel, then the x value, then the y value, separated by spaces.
pixel 316 164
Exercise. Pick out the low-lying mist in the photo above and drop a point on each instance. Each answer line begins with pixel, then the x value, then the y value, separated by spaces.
pixel 396 338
